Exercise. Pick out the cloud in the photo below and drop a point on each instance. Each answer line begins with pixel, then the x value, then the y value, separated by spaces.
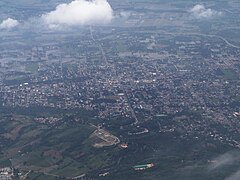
pixel 226 159
pixel 78 13
pixel 235 176
pixel 200 11
pixel 223 160
pixel 9 23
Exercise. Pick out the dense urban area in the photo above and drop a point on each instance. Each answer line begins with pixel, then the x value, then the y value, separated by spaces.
pixel 152 98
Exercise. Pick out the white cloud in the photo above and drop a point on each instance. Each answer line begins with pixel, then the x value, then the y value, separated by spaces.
pixel 223 160
pixel 9 23
pixel 226 159
pixel 200 11
pixel 79 12
pixel 235 176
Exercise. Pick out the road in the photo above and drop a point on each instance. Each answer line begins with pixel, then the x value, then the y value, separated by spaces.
pixel 114 72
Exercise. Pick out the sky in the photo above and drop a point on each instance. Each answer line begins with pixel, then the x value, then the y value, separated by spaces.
pixel 77 13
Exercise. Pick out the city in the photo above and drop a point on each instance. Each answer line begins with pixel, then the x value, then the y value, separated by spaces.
pixel 122 93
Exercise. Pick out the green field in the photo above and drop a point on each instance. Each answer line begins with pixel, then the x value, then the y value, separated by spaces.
pixel 62 151
pixel 65 150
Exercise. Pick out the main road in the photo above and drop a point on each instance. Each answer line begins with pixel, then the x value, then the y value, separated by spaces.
pixel 113 68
